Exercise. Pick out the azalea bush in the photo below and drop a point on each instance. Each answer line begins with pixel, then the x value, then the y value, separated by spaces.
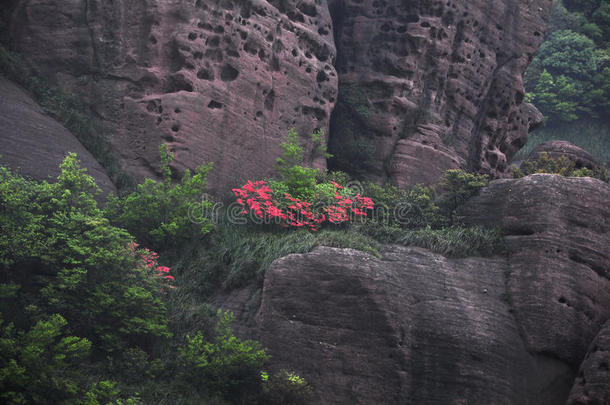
pixel 287 211
pixel 302 197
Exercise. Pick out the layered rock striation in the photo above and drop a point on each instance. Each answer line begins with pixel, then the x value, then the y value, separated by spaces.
pixel 415 327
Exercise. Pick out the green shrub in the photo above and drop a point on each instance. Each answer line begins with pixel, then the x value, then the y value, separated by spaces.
pixel 159 214
pixel 285 388
pixel 299 181
pixel 561 166
pixel 227 366
pixel 458 186
pixel 71 261
pixel 409 208
pixel 41 365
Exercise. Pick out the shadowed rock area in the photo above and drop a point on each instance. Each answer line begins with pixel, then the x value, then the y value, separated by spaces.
pixel 592 385
pixel 416 327
pixel 218 81
pixel 425 86
pixel 34 144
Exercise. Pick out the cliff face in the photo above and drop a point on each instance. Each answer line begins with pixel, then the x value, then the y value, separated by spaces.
pixel 421 86
pixel 425 86
pixel 416 327
pixel 219 81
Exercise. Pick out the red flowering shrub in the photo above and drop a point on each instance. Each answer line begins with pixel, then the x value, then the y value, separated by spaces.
pixel 150 260
pixel 257 198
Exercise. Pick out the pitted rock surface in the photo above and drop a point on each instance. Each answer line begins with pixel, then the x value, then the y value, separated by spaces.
pixel 220 81
pixel 430 85
pixel 34 144
pixel 423 86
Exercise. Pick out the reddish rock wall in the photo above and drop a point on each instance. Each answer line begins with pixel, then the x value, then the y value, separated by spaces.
pixel 431 85
pixel 422 86
pixel 219 81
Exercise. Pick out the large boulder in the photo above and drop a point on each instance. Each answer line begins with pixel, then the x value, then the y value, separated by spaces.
pixel 417 327
pixel 557 233
pixel 410 328
pixel 558 149
pixel 34 144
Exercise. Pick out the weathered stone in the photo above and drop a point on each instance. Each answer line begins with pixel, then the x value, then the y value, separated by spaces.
pixel 557 232
pixel 431 85
pixel 410 328
pixel 416 327
pixel 557 149
pixel 425 86
pixel 592 385
pixel 34 144
pixel 220 81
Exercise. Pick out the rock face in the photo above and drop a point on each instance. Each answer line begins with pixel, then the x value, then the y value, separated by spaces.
pixel 557 149
pixel 557 232
pixel 593 382
pixel 431 85
pixel 34 144
pixel 423 85
pixel 415 327
pixel 219 81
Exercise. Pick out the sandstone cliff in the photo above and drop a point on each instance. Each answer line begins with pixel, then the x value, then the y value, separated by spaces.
pixel 420 86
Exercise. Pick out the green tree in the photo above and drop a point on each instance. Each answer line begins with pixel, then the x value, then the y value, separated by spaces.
pixel 298 181
pixel 160 213
pixel 227 366
pixel 41 365
pixel 73 262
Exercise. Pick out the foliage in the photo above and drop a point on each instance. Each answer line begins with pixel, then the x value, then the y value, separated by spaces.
pixel 561 166
pixel 458 187
pixel 158 214
pixel 75 262
pixel 413 207
pixel 285 388
pixel 455 241
pixel 40 365
pixel 334 205
pixel 227 366
pixel 249 252
pixel 79 300
pixel 568 80
pixel 299 180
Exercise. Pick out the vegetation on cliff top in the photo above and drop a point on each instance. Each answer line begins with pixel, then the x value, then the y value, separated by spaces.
pixel 569 79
